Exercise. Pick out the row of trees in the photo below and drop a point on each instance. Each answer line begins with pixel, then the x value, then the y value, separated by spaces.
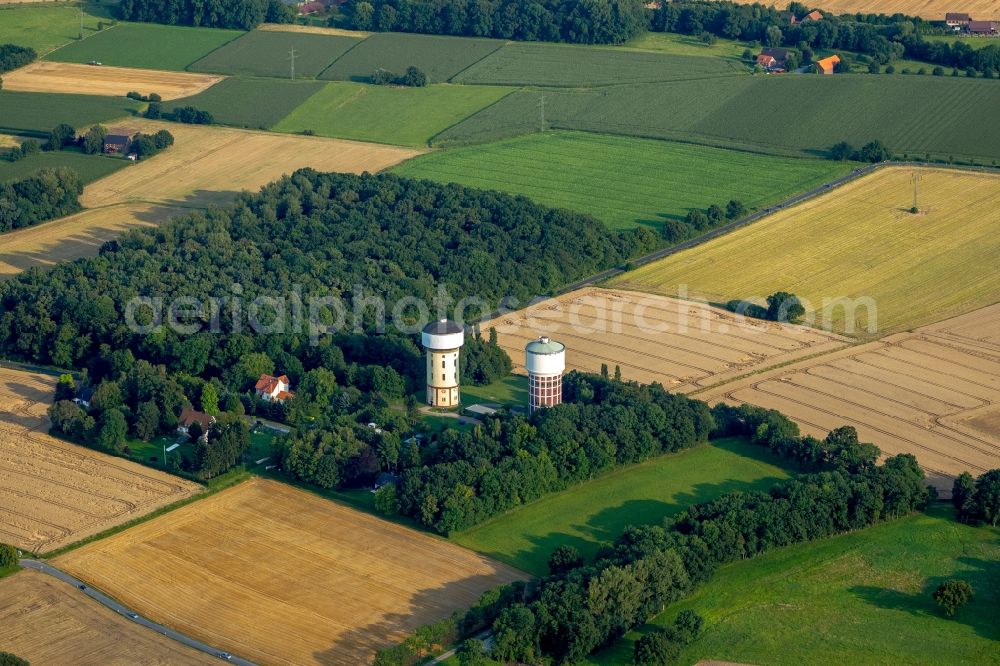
pixel 577 21
pixel 413 78
pixel 44 195
pixel 697 221
pixel 13 56
pixel 977 501
pixel 873 151
pixel 239 14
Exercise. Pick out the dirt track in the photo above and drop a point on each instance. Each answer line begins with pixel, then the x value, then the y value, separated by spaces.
pixel 48 622
pixel 64 77
pixel 281 576
pixel 681 344
pixel 53 493
pixel 934 393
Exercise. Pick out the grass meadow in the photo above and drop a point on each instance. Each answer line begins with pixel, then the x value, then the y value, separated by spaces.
pixel 440 58
pixel 572 66
pixel 251 102
pixel 594 513
pixel 90 167
pixel 859 240
pixel 859 598
pixel 794 115
pixel 387 114
pixel 146 45
pixel 512 391
pixel 620 180
pixel 40 112
pixel 267 53
pixel 46 26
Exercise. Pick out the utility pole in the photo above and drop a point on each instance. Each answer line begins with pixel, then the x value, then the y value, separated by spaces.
pixel 541 111
pixel 291 58
pixel 81 22
pixel 915 178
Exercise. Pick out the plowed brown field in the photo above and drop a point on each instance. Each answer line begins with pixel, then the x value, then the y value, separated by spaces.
pixel 281 576
pixel 53 493
pixel 65 77
pixel 46 621
pixel 934 393
pixel 683 345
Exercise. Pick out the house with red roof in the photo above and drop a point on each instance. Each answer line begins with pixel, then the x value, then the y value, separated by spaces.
pixel 827 65
pixel 273 389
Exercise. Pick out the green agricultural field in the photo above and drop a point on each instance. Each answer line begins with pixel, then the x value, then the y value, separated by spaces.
pixel 511 390
pixel 44 27
pixel 146 45
pixel 401 116
pixel 90 167
pixel 439 57
pixel 805 114
pixel 594 513
pixel 572 66
pixel 623 181
pixel 253 103
pixel 689 45
pixel 267 53
pixel 860 598
pixel 40 112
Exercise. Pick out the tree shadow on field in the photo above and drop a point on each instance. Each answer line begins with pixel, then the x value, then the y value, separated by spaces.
pixel 357 644
pixel 979 614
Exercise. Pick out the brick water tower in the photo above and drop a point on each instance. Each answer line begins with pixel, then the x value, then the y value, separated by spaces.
pixel 545 361
pixel 442 340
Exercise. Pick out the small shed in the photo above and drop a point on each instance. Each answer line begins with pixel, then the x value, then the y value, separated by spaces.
pixel 480 411
pixel 384 479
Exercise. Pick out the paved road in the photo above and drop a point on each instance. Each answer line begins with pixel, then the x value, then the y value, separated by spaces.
pixel 127 612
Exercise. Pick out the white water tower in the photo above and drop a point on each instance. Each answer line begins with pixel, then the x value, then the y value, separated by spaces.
pixel 442 339
pixel 545 361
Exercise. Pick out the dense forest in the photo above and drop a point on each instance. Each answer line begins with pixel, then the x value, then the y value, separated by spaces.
pixel 13 56
pixel 240 14
pixel 575 21
pixel 44 195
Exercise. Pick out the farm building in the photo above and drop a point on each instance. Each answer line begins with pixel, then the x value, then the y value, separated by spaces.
pixel 273 389
pixel 789 18
pixel 814 15
pixel 827 65
pixel 957 20
pixel 773 59
pixel 442 340
pixel 116 143
pixel 189 416
pixel 84 395
pixel 983 28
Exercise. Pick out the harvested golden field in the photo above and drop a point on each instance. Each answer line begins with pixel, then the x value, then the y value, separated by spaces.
pixel 281 576
pixel 10 141
pixel 932 10
pixel 683 345
pixel 53 493
pixel 46 621
pixel 74 236
pixel 934 393
pixel 209 165
pixel 64 77
pixel 854 247
pixel 313 29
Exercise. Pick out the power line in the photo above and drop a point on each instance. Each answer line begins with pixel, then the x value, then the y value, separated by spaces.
pixel 541 110
pixel 291 58
pixel 915 179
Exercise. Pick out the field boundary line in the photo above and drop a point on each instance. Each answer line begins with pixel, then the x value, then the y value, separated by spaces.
pixel 319 76
pixel 503 44
pixel 430 141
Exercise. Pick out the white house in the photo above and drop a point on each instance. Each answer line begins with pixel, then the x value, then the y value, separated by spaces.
pixel 273 389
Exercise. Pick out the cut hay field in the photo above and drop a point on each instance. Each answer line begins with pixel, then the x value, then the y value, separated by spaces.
pixel 932 10
pixel 620 180
pixel 78 235
pixel 39 112
pixel 440 58
pixel 683 345
pixel 272 100
pixel 90 167
pixel 395 115
pixel 858 598
pixel 726 112
pixel 574 66
pixel 281 576
pixel 146 45
pixel 853 242
pixel 266 53
pixel 60 77
pixel 592 514
pixel 934 393
pixel 53 493
pixel 47 621
pixel 45 26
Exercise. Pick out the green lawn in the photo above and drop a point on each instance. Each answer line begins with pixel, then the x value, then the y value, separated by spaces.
pixel 860 598
pixel 253 103
pixel 44 27
pixel 623 181
pixel 677 44
pixel 24 112
pixel 388 114
pixel 511 390
pixel 146 45
pixel 267 53
pixel 90 167
pixel 594 513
